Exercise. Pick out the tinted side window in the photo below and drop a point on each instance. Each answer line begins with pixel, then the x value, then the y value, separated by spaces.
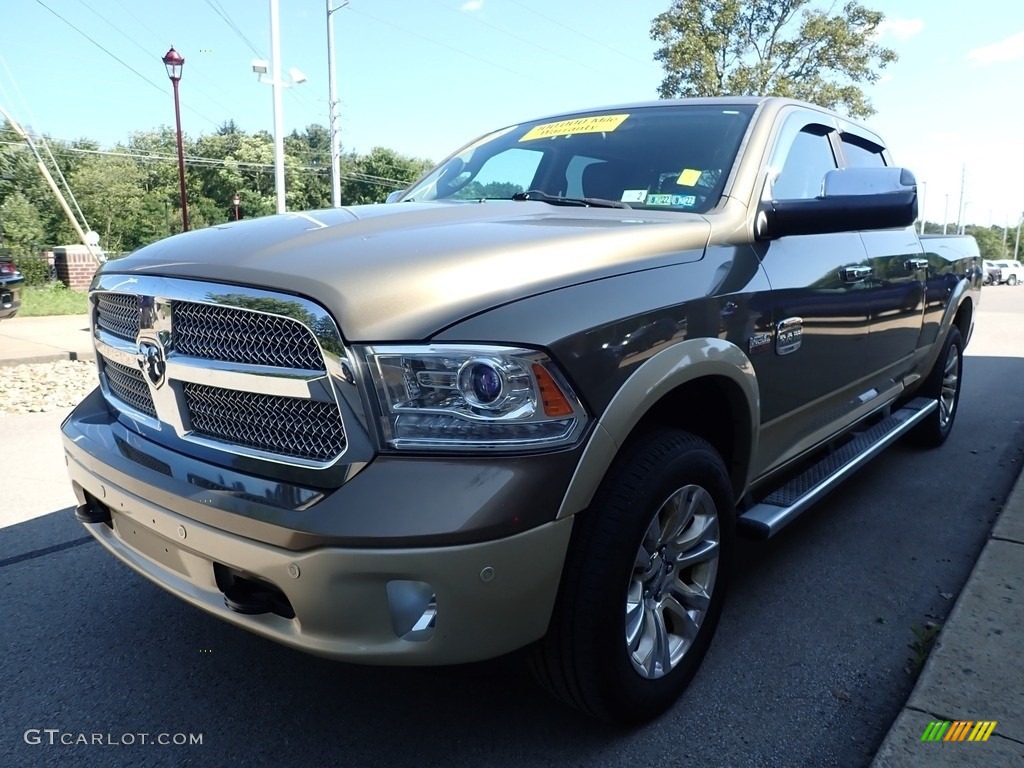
pixel 862 154
pixel 810 158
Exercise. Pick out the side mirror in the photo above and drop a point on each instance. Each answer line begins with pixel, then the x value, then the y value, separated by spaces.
pixel 852 199
pixel 394 197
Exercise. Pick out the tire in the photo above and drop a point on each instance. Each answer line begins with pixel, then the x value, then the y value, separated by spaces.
pixel 665 501
pixel 943 384
pixel 1011 280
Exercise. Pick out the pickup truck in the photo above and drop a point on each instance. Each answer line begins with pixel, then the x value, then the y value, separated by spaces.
pixel 1008 272
pixel 532 403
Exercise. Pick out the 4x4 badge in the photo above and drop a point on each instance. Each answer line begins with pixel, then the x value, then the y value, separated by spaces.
pixel 789 335
pixel 152 362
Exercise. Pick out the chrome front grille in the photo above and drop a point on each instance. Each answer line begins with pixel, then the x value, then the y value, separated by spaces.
pixel 214 332
pixel 291 426
pixel 249 372
pixel 129 386
pixel 119 314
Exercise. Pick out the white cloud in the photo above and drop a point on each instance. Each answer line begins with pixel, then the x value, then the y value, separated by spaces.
pixel 1010 49
pixel 901 29
pixel 472 5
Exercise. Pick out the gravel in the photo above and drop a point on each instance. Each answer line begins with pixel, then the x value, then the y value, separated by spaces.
pixel 38 387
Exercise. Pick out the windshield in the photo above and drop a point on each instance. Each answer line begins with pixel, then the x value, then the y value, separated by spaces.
pixel 665 157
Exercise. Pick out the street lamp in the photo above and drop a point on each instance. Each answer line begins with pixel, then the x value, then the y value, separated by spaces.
pixel 260 67
pixel 174 62
pixel 236 201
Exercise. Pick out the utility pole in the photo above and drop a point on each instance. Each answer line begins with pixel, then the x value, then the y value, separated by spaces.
pixel 1006 231
pixel 1016 246
pixel 945 215
pixel 275 62
pixel 924 199
pixel 53 185
pixel 960 208
pixel 333 102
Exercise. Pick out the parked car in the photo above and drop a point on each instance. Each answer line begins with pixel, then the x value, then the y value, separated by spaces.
pixel 991 272
pixel 531 403
pixel 1010 272
pixel 11 281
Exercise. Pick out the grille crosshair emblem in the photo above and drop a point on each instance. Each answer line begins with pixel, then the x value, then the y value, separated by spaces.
pixel 152 362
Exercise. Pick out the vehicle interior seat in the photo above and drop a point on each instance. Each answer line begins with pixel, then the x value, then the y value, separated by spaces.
pixel 606 180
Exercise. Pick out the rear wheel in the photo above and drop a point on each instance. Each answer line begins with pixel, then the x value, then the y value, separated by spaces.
pixel 644 581
pixel 1011 280
pixel 942 384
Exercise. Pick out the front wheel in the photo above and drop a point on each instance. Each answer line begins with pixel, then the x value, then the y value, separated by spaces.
pixel 1011 280
pixel 943 384
pixel 643 583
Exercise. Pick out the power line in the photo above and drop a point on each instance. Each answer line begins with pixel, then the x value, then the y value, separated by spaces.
pixel 42 140
pixel 306 152
pixel 140 21
pixel 577 32
pixel 119 60
pixel 220 11
pixel 517 73
pixel 521 39
pixel 213 162
pixel 111 24
pixel 149 54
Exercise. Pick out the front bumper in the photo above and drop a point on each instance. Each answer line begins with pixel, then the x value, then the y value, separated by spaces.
pixel 403 605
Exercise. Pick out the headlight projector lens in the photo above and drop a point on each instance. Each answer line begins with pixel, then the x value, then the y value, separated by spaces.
pixel 481 383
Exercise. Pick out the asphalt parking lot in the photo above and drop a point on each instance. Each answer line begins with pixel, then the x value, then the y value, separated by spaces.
pixel 809 666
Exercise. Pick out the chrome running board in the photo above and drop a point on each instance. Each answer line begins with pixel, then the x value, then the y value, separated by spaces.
pixel 779 508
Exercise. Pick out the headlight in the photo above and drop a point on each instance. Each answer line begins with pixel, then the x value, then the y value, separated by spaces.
pixel 457 397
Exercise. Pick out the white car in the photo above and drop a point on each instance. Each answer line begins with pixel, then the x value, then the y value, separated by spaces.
pixel 1010 272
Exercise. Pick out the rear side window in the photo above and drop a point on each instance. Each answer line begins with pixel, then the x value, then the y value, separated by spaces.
pixel 860 153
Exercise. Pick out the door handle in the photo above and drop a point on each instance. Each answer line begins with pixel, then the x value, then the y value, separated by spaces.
pixel 913 265
pixel 854 274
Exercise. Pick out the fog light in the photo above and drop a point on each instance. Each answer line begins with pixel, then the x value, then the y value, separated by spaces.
pixel 413 607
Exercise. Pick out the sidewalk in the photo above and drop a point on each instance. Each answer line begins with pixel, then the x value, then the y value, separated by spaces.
pixel 976 670
pixel 45 339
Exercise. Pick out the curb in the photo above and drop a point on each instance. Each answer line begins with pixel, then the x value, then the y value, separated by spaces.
pixel 975 672
pixel 54 357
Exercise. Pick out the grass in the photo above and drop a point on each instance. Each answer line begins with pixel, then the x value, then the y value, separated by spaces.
pixel 54 299
pixel 924 639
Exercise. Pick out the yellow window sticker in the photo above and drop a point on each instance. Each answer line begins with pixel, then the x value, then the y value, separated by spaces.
pixel 599 124
pixel 688 178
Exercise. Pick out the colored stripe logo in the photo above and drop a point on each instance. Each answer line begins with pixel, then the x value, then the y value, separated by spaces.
pixel 959 730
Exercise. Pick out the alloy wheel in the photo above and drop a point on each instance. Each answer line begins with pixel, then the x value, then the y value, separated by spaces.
pixel 672 581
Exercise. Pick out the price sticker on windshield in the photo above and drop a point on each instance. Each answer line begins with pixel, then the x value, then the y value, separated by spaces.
pixel 598 124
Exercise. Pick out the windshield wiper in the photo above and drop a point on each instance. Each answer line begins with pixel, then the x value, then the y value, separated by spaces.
pixel 584 202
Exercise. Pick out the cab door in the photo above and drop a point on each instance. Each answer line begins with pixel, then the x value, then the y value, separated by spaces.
pixel 814 372
pixel 897 280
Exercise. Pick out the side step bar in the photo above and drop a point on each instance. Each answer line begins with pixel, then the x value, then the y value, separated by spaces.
pixel 777 510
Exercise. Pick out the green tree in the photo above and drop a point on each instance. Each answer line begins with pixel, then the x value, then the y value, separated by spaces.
pixel 369 178
pixel 21 226
pixel 990 242
pixel 110 191
pixel 770 48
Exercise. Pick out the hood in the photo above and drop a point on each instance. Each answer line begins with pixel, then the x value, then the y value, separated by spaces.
pixel 402 272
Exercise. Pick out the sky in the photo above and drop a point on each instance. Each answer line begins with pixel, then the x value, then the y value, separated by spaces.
pixel 425 76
